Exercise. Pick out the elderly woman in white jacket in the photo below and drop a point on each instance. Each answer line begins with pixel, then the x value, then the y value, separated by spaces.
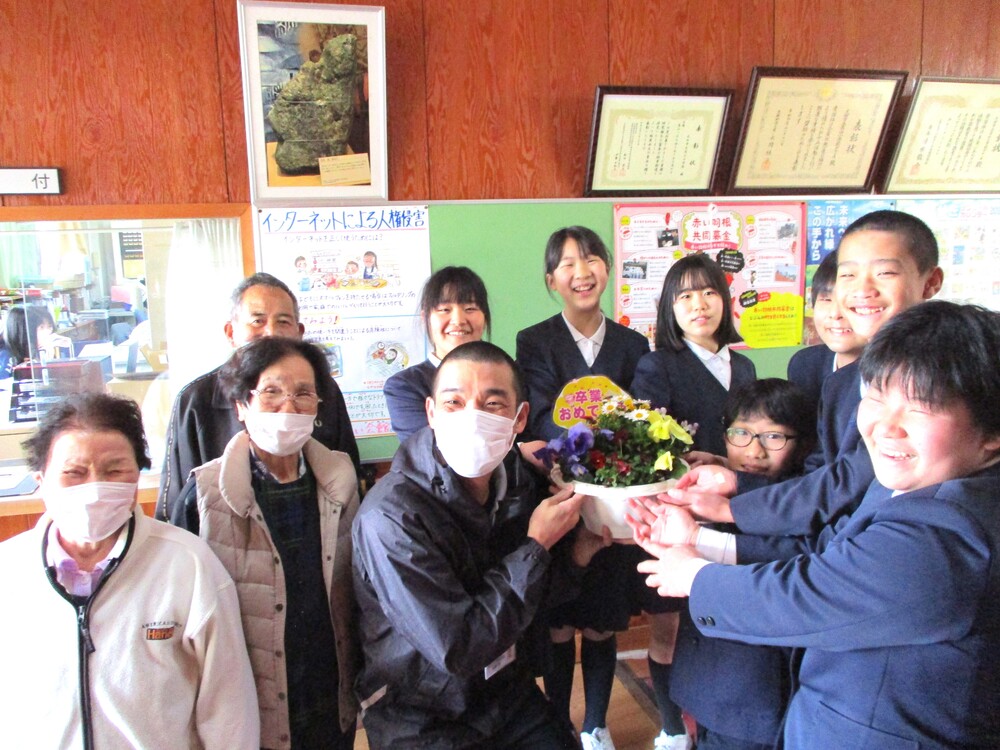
pixel 277 510
pixel 119 631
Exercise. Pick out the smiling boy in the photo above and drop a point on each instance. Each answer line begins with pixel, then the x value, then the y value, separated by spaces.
pixel 896 605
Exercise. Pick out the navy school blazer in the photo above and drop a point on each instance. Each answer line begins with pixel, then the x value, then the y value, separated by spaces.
pixel 808 369
pixel 549 358
pixel 898 608
pixel 680 382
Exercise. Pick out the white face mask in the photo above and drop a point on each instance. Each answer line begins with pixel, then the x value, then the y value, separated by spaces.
pixel 472 442
pixel 90 512
pixel 280 433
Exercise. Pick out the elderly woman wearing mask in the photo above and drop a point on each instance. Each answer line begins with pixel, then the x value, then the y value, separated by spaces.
pixel 277 510
pixel 119 631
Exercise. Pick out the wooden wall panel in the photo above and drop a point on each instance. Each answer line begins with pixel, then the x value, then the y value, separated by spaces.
pixel 694 43
pixel 962 38
pixel 124 97
pixel 406 61
pixel 509 95
pixel 712 43
pixel 231 100
pixel 873 34
pixel 140 101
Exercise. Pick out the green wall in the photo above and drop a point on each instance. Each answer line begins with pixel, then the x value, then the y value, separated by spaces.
pixel 504 242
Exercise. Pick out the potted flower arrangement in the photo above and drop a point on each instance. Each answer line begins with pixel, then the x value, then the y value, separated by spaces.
pixel 627 450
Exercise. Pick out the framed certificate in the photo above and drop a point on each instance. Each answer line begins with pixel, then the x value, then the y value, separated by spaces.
pixel 951 139
pixel 814 130
pixel 655 141
pixel 314 92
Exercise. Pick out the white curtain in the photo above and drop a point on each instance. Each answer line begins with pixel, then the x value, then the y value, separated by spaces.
pixel 205 262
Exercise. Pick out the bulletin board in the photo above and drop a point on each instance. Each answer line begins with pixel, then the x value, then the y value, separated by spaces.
pixel 504 242
pixel 357 273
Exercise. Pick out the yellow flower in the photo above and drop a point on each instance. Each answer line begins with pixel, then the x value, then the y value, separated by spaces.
pixel 667 428
pixel 664 462
pixel 628 404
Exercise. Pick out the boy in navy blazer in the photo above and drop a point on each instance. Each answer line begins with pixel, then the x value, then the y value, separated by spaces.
pixel 809 367
pixel 898 605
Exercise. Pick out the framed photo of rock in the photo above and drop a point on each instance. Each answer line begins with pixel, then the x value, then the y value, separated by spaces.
pixel 314 95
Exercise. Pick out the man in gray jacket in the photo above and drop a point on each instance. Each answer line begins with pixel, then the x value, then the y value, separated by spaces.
pixel 203 418
pixel 452 564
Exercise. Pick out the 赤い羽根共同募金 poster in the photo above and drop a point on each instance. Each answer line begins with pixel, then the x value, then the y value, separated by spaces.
pixel 760 247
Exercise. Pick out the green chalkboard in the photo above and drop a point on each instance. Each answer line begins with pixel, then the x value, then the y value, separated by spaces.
pixel 504 242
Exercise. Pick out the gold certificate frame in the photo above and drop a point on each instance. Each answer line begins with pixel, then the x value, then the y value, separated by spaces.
pixel 951 139
pixel 314 93
pixel 814 130
pixel 647 140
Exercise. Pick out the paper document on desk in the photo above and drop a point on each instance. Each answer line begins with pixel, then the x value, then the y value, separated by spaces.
pixel 17 482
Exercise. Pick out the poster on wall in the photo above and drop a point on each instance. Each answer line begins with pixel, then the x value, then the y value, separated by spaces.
pixel 357 273
pixel 968 235
pixel 760 246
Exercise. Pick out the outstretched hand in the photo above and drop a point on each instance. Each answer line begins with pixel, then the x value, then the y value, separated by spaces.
pixel 709 478
pixel 705 492
pixel 672 570
pixel 659 523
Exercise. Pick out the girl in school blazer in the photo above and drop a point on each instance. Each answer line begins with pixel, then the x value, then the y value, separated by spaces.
pixel 577 342
pixel 690 375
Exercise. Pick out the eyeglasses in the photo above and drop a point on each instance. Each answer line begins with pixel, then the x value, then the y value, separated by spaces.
pixel 771 441
pixel 274 398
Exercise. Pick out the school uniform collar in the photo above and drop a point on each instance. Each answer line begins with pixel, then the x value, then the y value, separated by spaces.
pixel 718 363
pixel 589 346
pixel 705 355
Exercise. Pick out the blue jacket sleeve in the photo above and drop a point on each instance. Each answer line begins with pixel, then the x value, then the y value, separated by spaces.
pixel 406 403
pixel 916 574
pixel 651 382
pixel 803 505
pixel 542 383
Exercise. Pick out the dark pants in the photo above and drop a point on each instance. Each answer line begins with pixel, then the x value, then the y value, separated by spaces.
pixel 536 727
pixel 709 740
pixel 523 720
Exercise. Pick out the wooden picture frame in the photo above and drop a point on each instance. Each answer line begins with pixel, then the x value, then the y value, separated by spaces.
pixel 649 140
pixel 950 142
pixel 810 130
pixel 316 123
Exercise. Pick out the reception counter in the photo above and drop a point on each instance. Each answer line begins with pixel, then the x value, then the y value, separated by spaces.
pixel 20 512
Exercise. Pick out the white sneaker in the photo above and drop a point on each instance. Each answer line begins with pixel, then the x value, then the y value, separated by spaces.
pixel 666 741
pixel 599 739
